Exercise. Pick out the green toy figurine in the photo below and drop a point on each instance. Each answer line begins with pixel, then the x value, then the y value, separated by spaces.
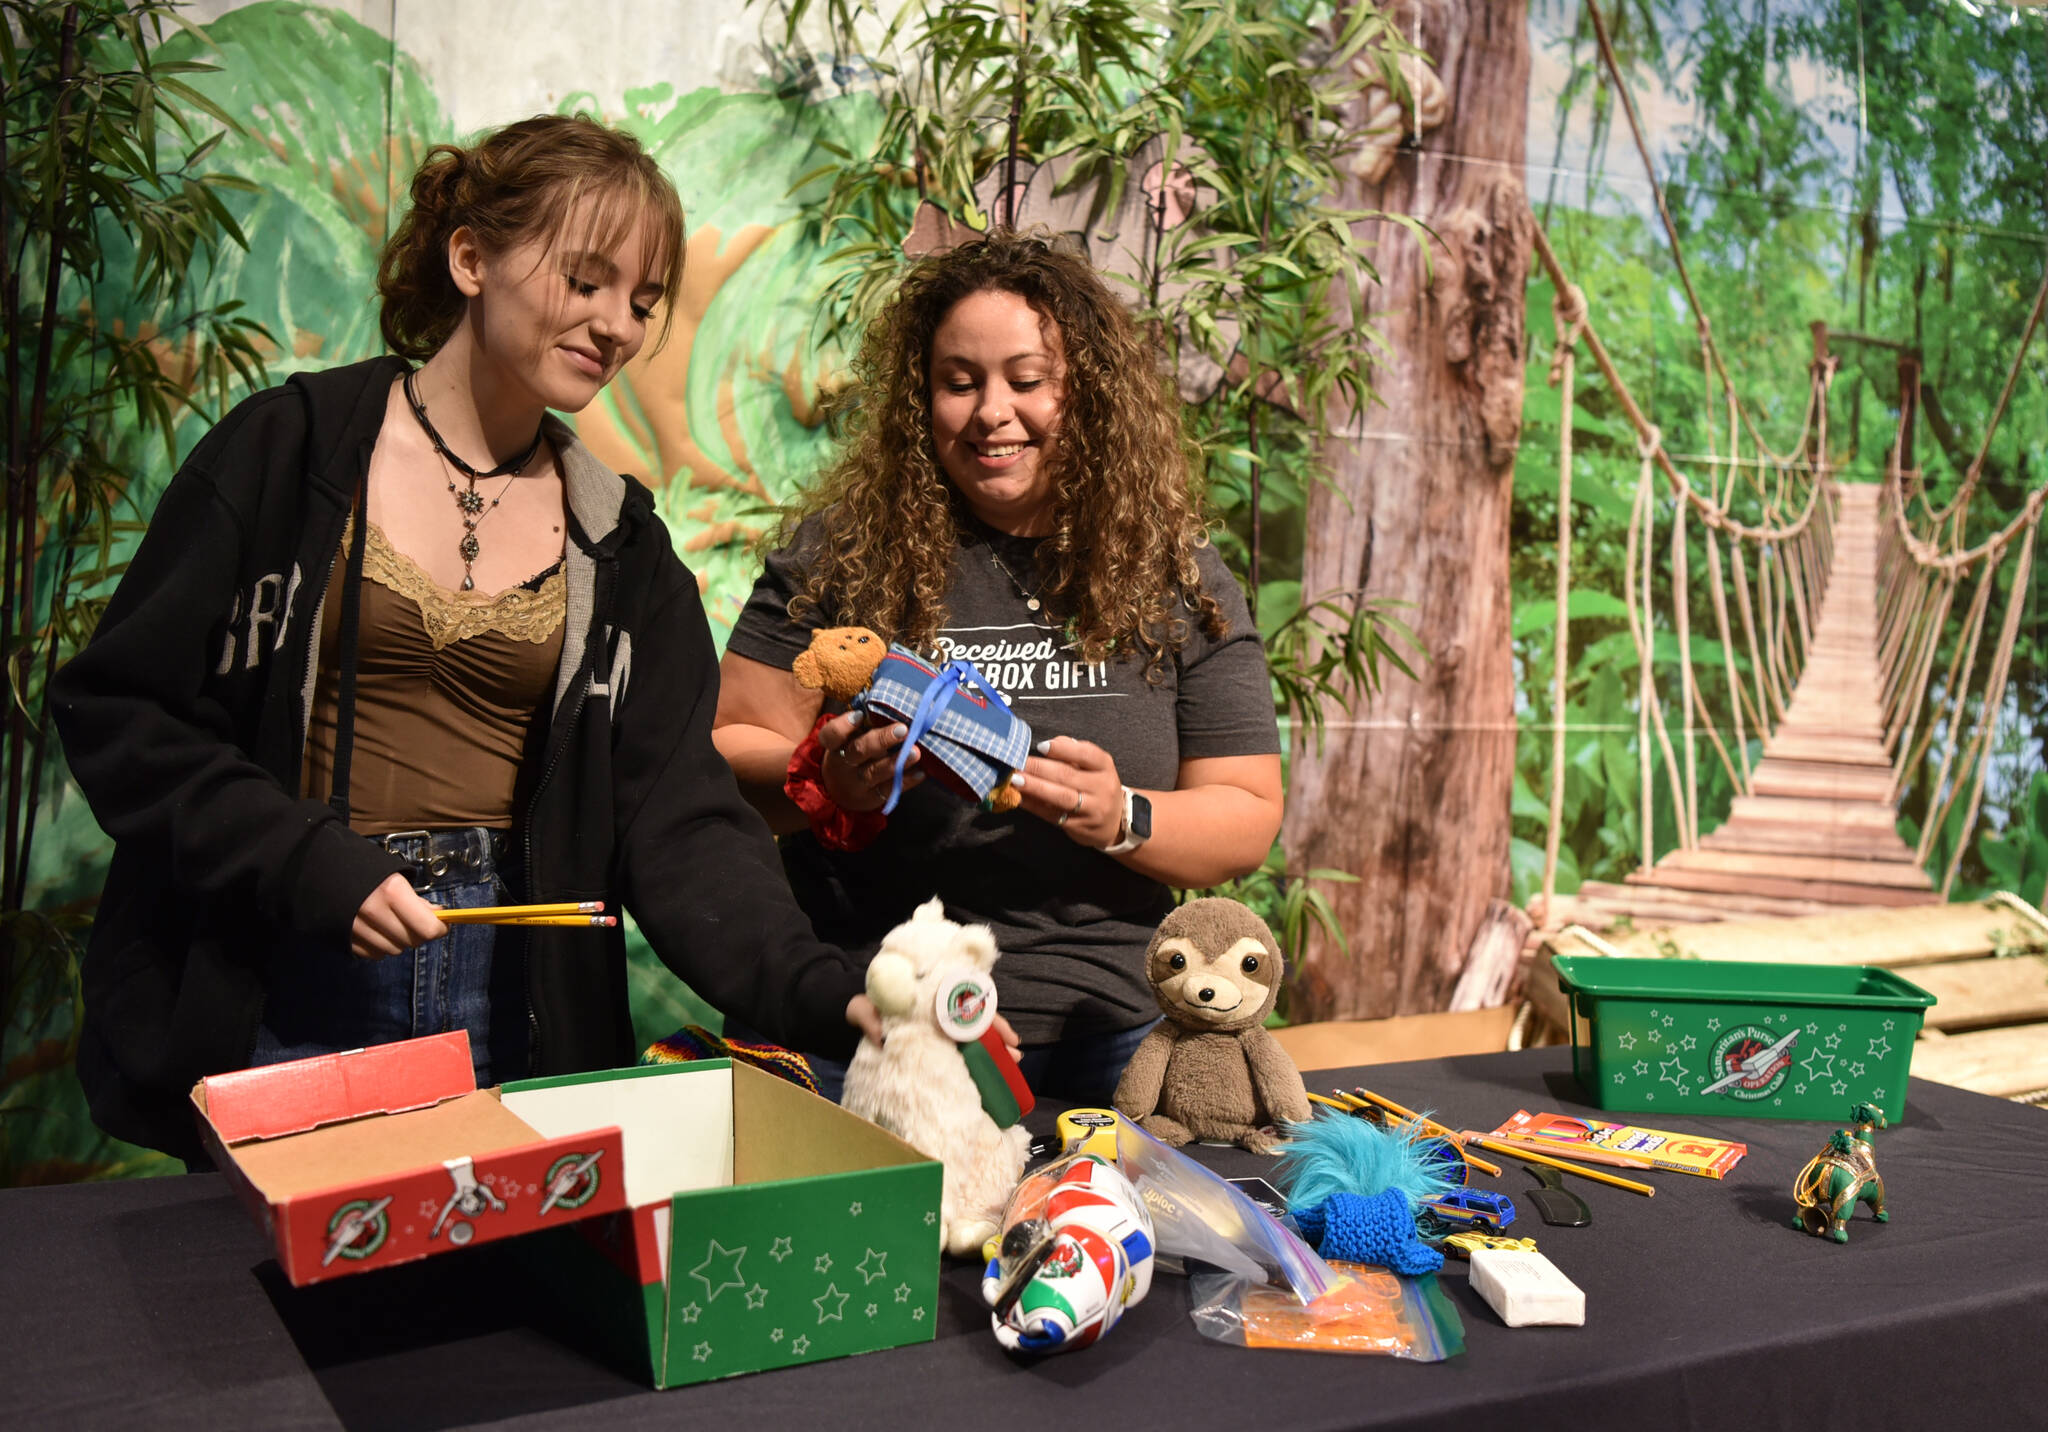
pixel 1840 1176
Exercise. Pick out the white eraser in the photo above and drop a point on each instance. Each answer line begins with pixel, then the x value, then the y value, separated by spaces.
pixel 1526 1289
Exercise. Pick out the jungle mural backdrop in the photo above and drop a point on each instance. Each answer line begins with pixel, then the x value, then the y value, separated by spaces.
pixel 1712 180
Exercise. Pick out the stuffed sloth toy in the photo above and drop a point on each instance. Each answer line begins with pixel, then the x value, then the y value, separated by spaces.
pixel 1210 1070
pixel 935 1082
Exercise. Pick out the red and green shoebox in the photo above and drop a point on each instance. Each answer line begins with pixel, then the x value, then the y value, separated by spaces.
pixel 764 1226
pixel 377 1156
pixel 697 1221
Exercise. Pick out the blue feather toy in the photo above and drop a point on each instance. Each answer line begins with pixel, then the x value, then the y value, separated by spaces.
pixel 1354 1189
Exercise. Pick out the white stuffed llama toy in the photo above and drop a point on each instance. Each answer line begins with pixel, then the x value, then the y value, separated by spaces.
pixel 917 1086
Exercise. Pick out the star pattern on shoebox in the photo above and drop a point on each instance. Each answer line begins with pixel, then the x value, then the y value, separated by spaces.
pixel 775 1336
pixel 689 1312
pixel 822 1263
pixel 756 1296
pixel 1688 1043
pixel 1642 1067
pixel 1880 1048
pixel 1627 1040
pixel 872 1310
pixel 1674 1071
pixel 801 1346
pixel 854 1211
pixel 836 1298
pixel 702 1351
pixel 903 1292
pixel 723 1264
pixel 1840 1088
pixel 880 1268
pixel 780 1249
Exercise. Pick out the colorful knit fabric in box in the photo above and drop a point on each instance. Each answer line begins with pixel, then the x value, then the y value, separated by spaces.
pixel 694 1042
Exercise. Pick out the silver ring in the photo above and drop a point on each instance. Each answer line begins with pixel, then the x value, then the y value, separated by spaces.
pixel 1063 818
pixel 1079 796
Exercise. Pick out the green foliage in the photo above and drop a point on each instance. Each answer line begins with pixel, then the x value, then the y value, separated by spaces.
pixel 108 210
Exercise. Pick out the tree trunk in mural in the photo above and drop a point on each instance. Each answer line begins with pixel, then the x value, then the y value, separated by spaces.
pixel 1412 793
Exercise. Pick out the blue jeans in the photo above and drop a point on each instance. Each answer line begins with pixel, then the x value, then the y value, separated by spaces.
pixel 325 999
pixel 1082 1070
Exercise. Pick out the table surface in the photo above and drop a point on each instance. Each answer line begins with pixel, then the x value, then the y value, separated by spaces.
pixel 153 1304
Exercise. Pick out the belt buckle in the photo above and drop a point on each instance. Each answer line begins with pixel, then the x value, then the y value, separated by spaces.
pixel 431 863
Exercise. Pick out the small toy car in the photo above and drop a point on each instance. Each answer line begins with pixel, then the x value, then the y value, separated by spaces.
pixel 1467 1243
pixel 1472 1208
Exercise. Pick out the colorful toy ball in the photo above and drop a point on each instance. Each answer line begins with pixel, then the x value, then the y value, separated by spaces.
pixel 1076 1252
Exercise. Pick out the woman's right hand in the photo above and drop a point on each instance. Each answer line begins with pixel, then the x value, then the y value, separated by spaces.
pixel 859 763
pixel 393 920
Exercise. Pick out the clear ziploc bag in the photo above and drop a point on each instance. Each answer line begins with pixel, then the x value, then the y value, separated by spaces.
pixel 1198 1215
pixel 1371 1311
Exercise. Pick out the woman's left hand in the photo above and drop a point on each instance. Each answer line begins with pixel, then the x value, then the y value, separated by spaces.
pixel 1074 784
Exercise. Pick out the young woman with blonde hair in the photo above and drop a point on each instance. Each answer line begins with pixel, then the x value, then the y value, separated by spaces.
pixel 395 641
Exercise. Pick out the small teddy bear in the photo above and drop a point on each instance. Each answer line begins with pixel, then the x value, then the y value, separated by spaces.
pixel 1210 1070
pixel 930 981
pixel 980 746
pixel 840 662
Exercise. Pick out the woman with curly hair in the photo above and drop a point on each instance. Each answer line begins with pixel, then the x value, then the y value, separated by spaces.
pixel 1016 490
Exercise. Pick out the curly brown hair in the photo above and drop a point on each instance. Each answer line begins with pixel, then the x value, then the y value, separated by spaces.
pixel 1119 564
pixel 521 182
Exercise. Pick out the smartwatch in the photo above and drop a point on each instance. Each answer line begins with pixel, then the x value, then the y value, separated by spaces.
pixel 1137 826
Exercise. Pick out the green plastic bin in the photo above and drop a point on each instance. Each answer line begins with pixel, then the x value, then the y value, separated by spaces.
pixel 1728 1037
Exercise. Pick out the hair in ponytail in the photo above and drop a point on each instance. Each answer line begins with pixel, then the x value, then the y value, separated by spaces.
pixel 522 183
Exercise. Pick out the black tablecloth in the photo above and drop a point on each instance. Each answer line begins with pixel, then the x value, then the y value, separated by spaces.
pixel 152 1305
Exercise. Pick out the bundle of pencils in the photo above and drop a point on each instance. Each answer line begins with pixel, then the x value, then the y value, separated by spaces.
pixel 565 915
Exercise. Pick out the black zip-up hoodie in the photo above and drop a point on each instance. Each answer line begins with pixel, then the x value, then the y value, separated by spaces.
pixel 184 723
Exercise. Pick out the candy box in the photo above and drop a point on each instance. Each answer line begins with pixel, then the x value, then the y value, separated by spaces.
pixel 1719 1038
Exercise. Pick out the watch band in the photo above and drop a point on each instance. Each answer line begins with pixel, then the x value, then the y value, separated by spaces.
pixel 1127 836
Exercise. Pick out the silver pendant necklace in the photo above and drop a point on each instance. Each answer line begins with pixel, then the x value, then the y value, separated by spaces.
pixel 1030 597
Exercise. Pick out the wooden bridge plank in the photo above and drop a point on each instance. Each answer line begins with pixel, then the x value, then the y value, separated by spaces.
pixel 1820 892
pixel 1890 938
pixel 2000 1062
pixel 1902 874
pixel 1980 994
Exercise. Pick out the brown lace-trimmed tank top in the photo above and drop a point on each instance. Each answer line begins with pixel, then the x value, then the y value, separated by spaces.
pixel 447 686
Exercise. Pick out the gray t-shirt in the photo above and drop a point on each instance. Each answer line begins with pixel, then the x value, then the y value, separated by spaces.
pixel 1073 924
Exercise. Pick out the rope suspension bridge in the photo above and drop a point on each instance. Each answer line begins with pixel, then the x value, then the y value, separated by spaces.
pixel 1861 648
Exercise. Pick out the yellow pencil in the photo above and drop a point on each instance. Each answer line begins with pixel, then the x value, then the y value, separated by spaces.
pixel 498 914
pixel 1594 1174
pixel 1316 1098
pixel 557 922
pixel 1431 1125
pixel 1578 1153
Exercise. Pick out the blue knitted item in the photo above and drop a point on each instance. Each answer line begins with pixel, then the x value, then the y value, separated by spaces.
pixel 1379 1229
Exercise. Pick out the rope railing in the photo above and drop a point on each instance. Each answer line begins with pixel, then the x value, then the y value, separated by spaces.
pixel 1778 606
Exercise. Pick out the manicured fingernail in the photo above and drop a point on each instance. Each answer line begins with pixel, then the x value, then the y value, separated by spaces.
pixel 1017 780
pixel 1044 748
pixel 899 732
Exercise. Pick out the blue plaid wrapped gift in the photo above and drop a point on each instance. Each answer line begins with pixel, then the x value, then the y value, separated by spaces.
pixel 971 738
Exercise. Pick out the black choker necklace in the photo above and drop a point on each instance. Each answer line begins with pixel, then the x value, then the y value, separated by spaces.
pixel 510 465
pixel 469 503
